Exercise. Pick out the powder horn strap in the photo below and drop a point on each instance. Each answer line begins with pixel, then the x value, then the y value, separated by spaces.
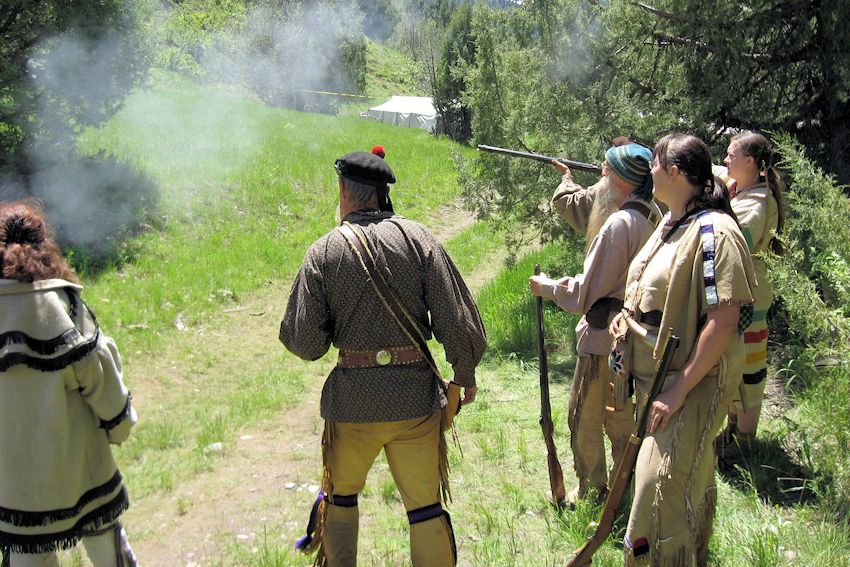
pixel 360 246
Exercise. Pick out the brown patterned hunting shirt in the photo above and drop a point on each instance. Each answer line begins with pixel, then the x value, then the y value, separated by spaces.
pixel 333 302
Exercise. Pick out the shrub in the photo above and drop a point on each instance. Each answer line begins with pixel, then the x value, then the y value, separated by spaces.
pixel 811 319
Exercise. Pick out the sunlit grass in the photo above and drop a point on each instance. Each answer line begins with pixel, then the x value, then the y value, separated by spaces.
pixel 174 443
pixel 244 190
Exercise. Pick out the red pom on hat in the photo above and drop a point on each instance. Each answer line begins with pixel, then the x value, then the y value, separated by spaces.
pixel 379 151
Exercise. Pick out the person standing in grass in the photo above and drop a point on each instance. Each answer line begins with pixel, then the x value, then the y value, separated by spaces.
pixel 618 225
pixel 692 276
pixel 757 199
pixel 382 394
pixel 62 403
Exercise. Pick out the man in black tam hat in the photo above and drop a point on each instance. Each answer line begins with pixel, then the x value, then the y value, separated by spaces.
pixel 377 288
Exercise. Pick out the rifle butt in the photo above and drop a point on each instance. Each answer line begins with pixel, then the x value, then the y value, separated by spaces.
pixel 579 562
pixel 556 480
pixel 622 479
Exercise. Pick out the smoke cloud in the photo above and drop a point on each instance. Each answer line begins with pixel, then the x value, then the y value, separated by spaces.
pixel 281 52
pixel 278 51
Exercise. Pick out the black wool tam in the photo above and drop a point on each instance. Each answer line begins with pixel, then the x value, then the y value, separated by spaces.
pixel 365 167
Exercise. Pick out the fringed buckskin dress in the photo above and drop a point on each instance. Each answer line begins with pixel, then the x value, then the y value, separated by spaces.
pixel 703 263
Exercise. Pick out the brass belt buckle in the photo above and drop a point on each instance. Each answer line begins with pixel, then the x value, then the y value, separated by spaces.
pixel 383 357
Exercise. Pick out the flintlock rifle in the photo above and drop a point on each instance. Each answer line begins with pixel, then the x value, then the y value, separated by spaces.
pixel 556 474
pixel 626 466
pixel 589 167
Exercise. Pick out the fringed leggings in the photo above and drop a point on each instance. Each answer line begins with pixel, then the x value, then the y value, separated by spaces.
pixel 415 452
pixel 675 493
pixel 588 418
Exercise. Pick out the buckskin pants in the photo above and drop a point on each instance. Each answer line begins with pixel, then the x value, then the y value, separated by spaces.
pixel 412 449
pixel 587 419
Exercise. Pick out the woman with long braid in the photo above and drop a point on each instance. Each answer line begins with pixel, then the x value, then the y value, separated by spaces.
pixel 757 199
pixel 692 276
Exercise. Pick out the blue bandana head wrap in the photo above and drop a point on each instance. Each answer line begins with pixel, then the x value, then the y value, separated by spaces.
pixel 631 163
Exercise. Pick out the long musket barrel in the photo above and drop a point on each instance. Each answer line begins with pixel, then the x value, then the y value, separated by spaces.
pixel 626 466
pixel 589 167
pixel 556 474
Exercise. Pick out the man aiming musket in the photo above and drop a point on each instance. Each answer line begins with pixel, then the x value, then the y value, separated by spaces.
pixel 616 213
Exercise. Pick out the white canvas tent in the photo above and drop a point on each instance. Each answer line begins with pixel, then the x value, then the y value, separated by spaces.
pixel 409 111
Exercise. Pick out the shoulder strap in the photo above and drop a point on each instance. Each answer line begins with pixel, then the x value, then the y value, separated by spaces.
pixel 360 246
pixel 635 206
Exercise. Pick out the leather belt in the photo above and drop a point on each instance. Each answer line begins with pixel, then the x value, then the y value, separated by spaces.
pixel 651 318
pixel 599 313
pixel 390 356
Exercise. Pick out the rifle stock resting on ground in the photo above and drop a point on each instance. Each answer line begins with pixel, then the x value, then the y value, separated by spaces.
pixel 556 475
pixel 626 466
pixel 589 167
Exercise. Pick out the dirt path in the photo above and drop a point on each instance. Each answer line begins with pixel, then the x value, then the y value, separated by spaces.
pixel 262 487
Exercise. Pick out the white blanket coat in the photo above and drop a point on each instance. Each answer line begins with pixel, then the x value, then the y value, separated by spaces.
pixel 62 402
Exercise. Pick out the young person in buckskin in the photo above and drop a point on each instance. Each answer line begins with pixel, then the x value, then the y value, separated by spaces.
pixel 619 224
pixel 62 402
pixel 757 199
pixel 692 276
pixel 383 393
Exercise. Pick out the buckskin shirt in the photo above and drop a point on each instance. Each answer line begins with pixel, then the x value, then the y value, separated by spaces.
pixel 333 302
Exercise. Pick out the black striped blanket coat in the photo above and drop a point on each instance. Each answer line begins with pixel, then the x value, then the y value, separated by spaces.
pixel 62 402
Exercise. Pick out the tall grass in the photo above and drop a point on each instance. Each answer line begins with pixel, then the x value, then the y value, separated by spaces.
pixel 508 311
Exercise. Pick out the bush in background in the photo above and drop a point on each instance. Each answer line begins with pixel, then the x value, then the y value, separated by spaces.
pixel 811 322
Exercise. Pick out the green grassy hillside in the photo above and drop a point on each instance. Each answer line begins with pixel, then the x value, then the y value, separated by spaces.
pixel 243 188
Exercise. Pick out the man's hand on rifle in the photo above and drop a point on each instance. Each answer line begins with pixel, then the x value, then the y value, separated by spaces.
pixel 468 395
pixel 543 286
pixel 562 168
pixel 536 283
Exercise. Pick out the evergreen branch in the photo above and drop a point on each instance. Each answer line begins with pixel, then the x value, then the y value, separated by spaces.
pixel 662 13
pixel 669 39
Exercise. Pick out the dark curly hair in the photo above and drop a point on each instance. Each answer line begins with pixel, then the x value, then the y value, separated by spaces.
pixel 28 251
